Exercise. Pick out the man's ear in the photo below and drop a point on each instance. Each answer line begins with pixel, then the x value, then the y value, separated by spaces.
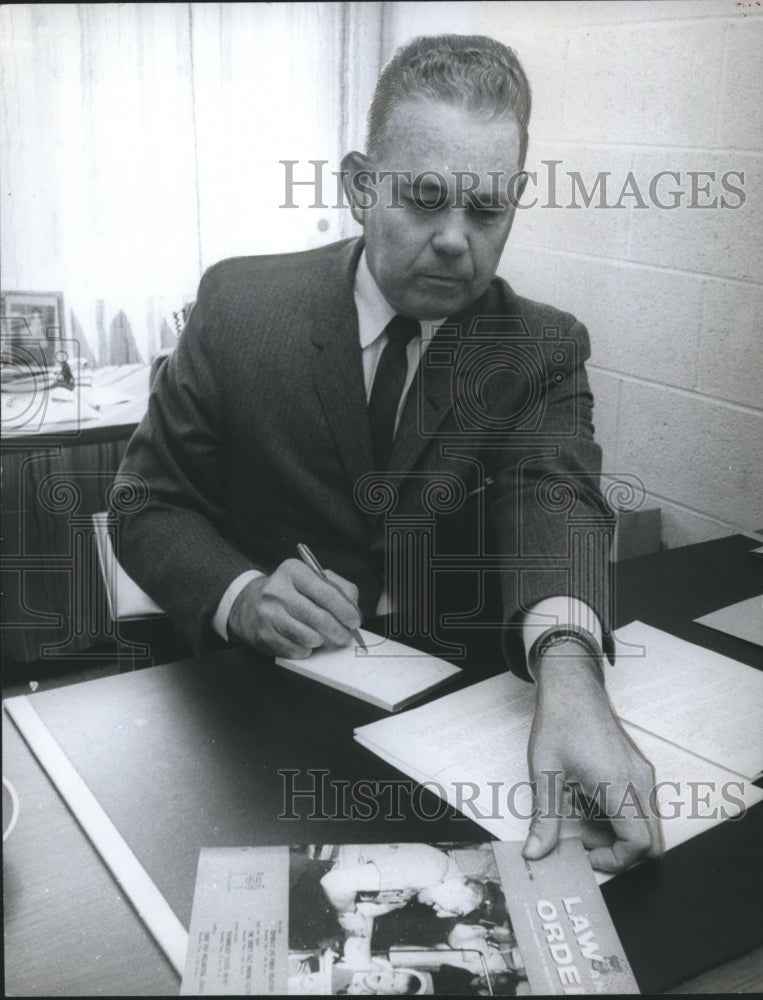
pixel 356 183
pixel 517 185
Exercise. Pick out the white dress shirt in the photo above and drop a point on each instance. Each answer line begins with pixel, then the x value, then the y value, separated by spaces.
pixel 374 313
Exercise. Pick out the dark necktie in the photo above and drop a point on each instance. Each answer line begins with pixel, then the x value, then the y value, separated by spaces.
pixel 388 385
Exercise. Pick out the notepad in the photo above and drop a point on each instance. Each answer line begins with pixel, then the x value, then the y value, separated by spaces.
pixel 390 675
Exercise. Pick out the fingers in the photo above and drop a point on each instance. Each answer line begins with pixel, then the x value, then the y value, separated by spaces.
pixel 646 783
pixel 333 597
pixel 596 834
pixel 327 606
pixel 613 792
pixel 289 638
pixel 548 788
pixel 631 843
pixel 623 833
pixel 347 588
pixel 294 611
pixel 629 804
pixel 635 830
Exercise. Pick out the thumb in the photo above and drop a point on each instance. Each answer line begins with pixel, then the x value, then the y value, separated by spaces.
pixel 547 802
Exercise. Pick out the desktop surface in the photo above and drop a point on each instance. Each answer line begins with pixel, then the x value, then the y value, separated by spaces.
pixel 45 417
pixel 202 753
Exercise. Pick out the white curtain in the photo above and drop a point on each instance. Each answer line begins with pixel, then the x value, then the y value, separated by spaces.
pixel 141 143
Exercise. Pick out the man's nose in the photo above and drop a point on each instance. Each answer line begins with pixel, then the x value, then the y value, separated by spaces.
pixel 451 236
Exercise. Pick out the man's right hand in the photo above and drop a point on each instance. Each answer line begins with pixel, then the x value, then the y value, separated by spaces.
pixel 293 611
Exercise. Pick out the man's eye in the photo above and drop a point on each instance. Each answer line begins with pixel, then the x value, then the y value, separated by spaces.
pixel 415 203
pixel 429 202
pixel 486 215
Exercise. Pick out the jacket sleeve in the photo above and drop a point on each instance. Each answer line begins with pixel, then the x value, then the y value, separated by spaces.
pixel 550 519
pixel 169 495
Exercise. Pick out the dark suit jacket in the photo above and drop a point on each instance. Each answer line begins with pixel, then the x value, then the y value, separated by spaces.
pixel 257 438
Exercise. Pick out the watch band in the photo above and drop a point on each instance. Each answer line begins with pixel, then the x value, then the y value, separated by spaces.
pixel 558 634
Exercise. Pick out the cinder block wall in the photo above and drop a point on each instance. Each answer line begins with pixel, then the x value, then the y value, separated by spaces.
pixel 672 297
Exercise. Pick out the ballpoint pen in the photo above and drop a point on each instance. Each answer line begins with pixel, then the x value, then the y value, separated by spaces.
pixel 309 559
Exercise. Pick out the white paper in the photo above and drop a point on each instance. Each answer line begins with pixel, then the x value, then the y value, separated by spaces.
pixel 470 748
pixel 390 675
pixel 238 940
pixel 107 395
pixel 702 701
pixel 33 413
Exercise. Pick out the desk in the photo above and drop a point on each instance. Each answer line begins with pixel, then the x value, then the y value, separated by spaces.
pixel 113 422
pixel 68 929
pixel 53 479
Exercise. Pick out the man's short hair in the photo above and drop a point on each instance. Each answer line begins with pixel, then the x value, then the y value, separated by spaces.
pixel 471 71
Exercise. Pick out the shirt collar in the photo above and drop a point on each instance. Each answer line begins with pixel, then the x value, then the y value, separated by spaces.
pixel 374 312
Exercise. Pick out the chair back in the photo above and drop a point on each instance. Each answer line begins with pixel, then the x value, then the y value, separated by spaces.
pixel 127 602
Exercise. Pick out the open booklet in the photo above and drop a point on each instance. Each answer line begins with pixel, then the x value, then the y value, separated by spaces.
pixel 695 715
pixel 438 919
pixel 389 675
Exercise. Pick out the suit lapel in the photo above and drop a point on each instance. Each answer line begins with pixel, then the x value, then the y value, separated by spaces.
pixel 338 366
pixel 431 397
pixel 338 375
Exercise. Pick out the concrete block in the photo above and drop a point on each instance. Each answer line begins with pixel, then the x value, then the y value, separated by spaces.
pixel 408 20
pixel 741 123
pixel 730 345
pixel 701 454
pixel 482 17
pixel 566 177
pixel 542 50
pixel 643 321
pixel 681 526
pixel 724 242
pixel 530 272
pixel 644 83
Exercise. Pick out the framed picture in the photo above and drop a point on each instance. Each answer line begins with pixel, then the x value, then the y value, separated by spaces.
pixel 31 324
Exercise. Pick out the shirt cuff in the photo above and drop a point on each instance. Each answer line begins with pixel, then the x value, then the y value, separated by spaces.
pixel 220 619
pixel 559 611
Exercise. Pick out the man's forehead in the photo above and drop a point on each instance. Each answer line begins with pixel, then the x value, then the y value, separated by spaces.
pixel 448 140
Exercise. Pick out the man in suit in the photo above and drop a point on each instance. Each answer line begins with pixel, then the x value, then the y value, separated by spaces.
pixel 425 431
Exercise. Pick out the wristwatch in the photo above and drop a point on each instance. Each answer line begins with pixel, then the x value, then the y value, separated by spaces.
pixel 555 636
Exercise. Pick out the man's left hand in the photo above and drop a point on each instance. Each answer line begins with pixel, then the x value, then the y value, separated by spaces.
pixel 577 738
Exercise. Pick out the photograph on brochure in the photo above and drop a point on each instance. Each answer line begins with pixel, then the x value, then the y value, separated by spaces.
pixel 446 919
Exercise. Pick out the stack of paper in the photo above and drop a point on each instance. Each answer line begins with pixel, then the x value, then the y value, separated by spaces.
pixel 694 714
